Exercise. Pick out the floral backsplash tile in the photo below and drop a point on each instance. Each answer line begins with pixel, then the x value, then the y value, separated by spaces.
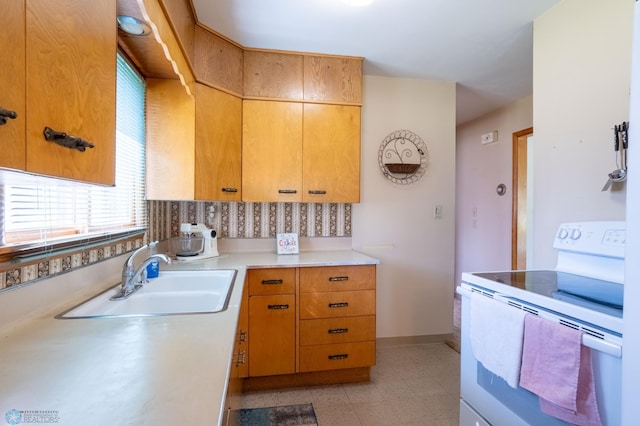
pixel 230 220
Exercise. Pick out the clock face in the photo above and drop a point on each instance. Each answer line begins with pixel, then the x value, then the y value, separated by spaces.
pixel 403 157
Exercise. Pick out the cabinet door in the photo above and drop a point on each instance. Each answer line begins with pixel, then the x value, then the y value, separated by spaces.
pixel 331 154
pixel 272 151
pixel 71 87
pixel 12 81
pixel 218 151
pixel 170 140
pixel 272 335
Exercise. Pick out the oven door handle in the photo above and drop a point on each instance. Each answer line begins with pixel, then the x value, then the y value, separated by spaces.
pixel 587 340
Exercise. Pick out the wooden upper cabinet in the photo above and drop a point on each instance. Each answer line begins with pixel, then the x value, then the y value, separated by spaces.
pixel 217 62
pixel 218 145
pixel 183 22
pixel 170 141
pixel 272 151
pixel 331 153
pixel 333 79
pixel 12 84
pixel 71 87
pixel 273 75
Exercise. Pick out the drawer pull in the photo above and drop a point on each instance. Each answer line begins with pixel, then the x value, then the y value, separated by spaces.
pixel 287 191
pixel 338 330
pixel 278 306
pixel 338 279
pixel 339 305
pixel 269 282
pixel 317 192
pixel 338 356
pixel 229 189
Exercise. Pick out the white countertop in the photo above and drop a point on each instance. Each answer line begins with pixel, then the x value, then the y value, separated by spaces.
pixel 131 371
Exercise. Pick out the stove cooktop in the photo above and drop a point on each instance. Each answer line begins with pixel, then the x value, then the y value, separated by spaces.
pixel 598 295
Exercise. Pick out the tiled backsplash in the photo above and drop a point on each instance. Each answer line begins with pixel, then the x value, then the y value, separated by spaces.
pixel 230 220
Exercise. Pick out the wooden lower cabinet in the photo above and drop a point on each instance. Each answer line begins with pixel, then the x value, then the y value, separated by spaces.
pixel 311 325
pixel 272 343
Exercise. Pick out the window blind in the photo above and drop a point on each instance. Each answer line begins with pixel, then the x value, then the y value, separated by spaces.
pixel 45 211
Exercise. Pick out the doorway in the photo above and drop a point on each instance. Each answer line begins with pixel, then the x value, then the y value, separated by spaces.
pixel 521 197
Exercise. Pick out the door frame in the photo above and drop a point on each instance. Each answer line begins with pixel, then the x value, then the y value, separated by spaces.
pixel 519 197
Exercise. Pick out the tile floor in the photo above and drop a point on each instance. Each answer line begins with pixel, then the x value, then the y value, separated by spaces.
pixel 410 385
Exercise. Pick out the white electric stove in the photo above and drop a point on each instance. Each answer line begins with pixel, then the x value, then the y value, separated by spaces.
pixel 584 292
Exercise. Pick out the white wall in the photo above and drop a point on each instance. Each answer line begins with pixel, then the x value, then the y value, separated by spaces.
pixel 395 223
pixel 483 218
pixel 581 71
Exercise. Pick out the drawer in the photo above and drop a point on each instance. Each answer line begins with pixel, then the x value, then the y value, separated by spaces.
pixel 337 278
pixel 334 357
pixel 337 304
pixel 337 330
pixel 272 281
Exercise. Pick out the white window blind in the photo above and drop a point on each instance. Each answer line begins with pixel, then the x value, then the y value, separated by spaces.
pixel 45 211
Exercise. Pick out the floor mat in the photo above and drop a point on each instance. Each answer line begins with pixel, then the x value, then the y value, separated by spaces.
pixel 289 415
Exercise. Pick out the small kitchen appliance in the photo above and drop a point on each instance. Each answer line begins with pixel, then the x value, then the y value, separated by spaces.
pixel 196 243
pixel 584 292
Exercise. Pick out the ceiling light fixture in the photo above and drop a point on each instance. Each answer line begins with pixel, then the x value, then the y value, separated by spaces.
pixel 358 2
pixel 133 26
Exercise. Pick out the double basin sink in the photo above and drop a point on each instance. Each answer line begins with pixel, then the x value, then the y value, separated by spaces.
pixel 171 293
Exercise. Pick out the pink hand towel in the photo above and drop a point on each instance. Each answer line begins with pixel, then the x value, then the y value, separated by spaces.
pixel 557 368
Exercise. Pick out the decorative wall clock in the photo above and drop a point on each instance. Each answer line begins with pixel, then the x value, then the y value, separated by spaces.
pixel 403 157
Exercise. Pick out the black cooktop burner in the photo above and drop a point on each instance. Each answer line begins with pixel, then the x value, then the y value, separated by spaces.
pixel 599 295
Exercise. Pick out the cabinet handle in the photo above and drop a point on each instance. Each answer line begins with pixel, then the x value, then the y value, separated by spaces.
pixel 338 330
pixel 339 305
pixel 243 337
pixel 229 189
pixel 277 306
pixel 5 113
pixel 317 192
pixel 270 282
pixel 338 278
pixel 338 356
pixel 287 191
pixel 66 140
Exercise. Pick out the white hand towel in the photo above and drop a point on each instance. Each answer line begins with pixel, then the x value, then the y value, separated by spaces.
pixel 496 332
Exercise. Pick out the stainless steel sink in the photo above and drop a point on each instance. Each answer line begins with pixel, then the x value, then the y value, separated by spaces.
pixel 172 293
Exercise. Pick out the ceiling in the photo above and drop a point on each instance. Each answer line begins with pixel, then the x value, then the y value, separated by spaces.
pixel 485 46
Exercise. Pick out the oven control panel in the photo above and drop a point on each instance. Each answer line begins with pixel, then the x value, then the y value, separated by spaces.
pixel 603 238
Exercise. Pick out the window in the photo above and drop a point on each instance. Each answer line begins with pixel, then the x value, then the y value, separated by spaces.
pixel 47 211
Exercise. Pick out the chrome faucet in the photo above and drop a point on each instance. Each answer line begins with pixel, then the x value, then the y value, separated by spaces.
pixel 133 279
